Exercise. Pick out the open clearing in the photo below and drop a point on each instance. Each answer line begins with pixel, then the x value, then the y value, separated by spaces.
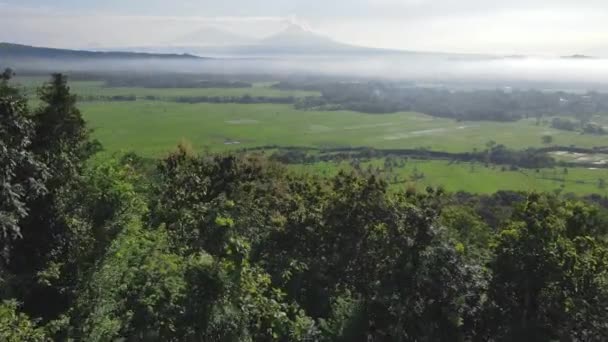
pixel 153 128
pixel 475 178
pixel 97 88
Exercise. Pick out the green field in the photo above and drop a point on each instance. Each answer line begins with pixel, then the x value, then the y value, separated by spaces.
pixel 153 128
pixel 475 178
pixel 97 88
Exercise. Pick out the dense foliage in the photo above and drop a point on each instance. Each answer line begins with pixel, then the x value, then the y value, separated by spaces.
pixel 237 248
pixel 496 154
pixel 473 105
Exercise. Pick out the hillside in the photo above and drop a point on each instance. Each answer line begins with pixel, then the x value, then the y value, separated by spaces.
pixel 298 36
pixel 10 51
pixel 292 40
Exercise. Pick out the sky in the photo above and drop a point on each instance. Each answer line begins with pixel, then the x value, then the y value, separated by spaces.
pixel 540 27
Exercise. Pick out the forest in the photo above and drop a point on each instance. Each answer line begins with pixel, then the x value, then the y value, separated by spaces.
pixel 220 247
pixel 378 97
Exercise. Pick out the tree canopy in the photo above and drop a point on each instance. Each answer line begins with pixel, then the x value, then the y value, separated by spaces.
pixel 235 247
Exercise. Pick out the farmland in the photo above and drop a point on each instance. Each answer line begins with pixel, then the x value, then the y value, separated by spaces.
pixel 474 177
pixel 98 88
pixel 152 128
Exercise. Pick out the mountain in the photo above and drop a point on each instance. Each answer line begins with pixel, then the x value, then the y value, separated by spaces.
pixel 577 56
pixel 9 51
pixel 296 40
pixel 297 36
pixel 293 40
pixel 210 36
pixel 25 58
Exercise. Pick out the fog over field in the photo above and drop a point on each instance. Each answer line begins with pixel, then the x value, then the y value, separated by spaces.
pixel 519 44
pixel 564 73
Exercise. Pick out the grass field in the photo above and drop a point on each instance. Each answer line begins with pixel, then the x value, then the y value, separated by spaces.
pixel 476 178
pixel 152 128
pixel 97 88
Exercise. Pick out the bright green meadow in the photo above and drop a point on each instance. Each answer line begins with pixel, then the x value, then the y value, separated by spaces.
pixel 153 128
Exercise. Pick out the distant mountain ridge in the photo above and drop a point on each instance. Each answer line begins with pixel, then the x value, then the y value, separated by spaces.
pixel 578 56
pixel 10 51
pixel 292 40
pixel 295 35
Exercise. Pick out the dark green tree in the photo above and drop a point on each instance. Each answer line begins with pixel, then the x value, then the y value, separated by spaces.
pixel 22 175
pixel 18 327
pixel 549 272
pixel 53 226
pixel 62 139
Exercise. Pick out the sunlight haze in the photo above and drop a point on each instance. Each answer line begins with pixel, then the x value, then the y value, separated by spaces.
pixel 539 27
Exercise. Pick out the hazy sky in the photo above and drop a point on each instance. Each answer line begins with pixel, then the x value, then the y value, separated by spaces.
pixel 504 27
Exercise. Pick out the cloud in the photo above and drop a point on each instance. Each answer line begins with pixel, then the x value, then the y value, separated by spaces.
pixel 49 27
pixel 550 30
pixel 516 26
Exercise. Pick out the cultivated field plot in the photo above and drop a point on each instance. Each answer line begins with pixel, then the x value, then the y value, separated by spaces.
pixel 475 177
pixel 153 127
pixel 98 88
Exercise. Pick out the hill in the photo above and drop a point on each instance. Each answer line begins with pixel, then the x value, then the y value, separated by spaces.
pixel 297 36
pixel 578 56
pixel 295 40
pixel 9 51
pixel 292 40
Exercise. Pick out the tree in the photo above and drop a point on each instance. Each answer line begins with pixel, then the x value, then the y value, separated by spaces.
pixel 468 229
pixel 235 247
pixel 62 139
pixel 548 275
pixel 5 88
pixel 225 206
pixel 22 175
pixel 7 74
pixel 384 252
pixel 141 289
pixel 17 327
pixel 53 227
pixel 547 139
